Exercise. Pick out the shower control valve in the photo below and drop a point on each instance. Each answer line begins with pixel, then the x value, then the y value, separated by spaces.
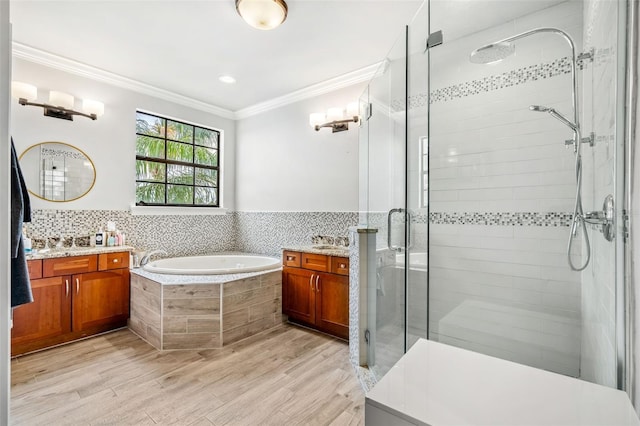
pixel 603 218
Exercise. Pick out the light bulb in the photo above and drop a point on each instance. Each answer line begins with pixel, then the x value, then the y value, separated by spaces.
pixel 334 114
pixel 90 106
pixel 316 119
pixel 22 90
pixel 353 109
pixel 61 99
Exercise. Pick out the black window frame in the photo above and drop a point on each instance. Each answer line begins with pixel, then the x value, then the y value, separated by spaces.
pixel 192 163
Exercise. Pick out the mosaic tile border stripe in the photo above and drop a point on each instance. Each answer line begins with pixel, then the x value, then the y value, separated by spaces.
pixel 551 219
pixel 490 83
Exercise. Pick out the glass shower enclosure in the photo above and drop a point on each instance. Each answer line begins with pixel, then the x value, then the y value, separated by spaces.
pixel 491 170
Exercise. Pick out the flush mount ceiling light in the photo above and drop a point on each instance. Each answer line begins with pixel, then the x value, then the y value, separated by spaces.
pixel 335 118
pixel 60 104
pixel 262 14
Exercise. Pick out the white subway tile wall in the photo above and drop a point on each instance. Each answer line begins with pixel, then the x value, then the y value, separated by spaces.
pixel 502 189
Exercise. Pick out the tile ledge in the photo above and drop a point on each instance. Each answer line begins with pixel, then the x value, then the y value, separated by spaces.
pixel 175 211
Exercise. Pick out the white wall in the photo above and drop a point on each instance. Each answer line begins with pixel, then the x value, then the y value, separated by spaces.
pixel 285 165
pixel 110 140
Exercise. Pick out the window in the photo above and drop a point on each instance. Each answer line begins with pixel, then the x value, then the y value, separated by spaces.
pixel 177 164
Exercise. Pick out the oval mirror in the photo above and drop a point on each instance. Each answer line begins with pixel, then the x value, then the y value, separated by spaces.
pixel 56 171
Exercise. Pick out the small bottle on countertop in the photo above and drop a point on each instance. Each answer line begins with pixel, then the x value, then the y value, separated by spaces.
pixel 100 238
pixel 26 242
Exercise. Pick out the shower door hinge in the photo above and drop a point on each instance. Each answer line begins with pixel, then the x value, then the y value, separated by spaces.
pixel 369 111
pixel 434 39
pixel 625 225
pixel 588 55
pixel 367 334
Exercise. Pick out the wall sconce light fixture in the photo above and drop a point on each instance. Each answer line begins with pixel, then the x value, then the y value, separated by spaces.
pixel 60 104
pixel 262 14
pixel 335 118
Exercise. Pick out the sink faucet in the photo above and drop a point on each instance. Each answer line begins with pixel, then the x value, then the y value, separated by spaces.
pixel 145 259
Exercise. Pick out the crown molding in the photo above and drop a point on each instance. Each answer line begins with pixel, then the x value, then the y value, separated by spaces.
pixel 345 80
pixel 41 57
pixel 51 60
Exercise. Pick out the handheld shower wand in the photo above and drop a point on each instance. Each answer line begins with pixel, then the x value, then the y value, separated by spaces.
pixel 555 114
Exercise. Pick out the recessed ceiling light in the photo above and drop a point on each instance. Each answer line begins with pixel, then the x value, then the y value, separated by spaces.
pixel 227 79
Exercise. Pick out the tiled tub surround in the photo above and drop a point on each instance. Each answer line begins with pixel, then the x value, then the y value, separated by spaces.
pixel 203 312
pixel 248 232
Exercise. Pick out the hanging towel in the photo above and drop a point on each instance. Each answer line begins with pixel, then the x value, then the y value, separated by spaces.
pixel 20 213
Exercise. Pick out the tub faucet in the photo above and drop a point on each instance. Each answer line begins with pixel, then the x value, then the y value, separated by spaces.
pixel 145 259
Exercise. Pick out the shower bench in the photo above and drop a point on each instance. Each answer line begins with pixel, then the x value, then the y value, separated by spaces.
pixel 437 384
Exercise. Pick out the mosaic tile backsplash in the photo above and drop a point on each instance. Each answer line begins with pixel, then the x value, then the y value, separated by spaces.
pixel 263 233
pixel 267 232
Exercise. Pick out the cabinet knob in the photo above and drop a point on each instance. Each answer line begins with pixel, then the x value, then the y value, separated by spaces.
pixel 290 257
pixel 115 260
pixel 342 265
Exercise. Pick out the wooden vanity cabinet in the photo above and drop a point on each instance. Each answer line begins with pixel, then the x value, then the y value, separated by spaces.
pixel 298 295
pixel 316 298
pixel 45 320
pixel 101 300
pixel 72 299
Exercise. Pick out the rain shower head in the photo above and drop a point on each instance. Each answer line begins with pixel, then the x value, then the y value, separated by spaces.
pixel 491 53
pixel 555 114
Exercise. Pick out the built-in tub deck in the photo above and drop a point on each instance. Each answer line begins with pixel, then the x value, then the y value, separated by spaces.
pixel 203 311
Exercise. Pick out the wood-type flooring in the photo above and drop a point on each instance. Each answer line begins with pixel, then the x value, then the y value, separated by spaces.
pixel 283 376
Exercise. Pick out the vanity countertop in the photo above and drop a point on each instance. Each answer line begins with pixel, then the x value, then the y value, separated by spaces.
pixel 75 251
pixel 339 251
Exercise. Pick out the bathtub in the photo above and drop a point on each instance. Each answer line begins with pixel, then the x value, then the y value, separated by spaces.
pixel 176 306
pixel 212 265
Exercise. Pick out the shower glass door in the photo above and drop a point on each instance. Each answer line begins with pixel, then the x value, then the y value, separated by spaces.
pixel 397 185
pixel 471 183
pixel 385 206
pixel 502 184
pixel 417 118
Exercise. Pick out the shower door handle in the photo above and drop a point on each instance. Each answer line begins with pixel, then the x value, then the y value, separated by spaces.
pixel 389 216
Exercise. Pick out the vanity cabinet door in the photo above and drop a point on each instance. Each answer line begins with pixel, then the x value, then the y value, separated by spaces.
pixel 298 294
pixel 332 305
pixel 36 325
pixel 100 300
